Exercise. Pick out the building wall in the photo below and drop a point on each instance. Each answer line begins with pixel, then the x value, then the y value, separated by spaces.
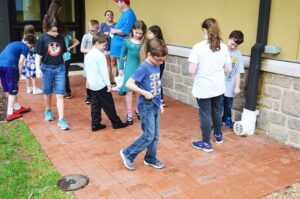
pixel 278 99
pixel 279 90
pixel 181 20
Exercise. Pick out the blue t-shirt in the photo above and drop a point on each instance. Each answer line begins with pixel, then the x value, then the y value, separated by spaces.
pixel 147 78
pixel 124 24
pixel 10 56
pixel 105 28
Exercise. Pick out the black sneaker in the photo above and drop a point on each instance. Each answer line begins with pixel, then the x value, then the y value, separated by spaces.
pixel 119 125
pixel 68 96
pixel 87 99
pixel 98 127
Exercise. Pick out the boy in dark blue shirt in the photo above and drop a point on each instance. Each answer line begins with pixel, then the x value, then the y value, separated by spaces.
pixel 11 62
pixel 146 81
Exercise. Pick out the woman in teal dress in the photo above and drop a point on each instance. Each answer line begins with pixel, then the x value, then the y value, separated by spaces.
pixel 130 60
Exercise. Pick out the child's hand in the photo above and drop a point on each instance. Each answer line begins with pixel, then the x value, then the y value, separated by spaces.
pixel 236 91
pixel 162 109
pixel 148 95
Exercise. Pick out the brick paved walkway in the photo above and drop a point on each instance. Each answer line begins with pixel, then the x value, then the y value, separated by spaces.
pixel 241 167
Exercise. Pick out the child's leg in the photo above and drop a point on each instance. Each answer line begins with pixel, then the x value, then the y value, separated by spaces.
pixel 205 115
pixel 95 108
pixel 114 67
pixel 107 102
pixel 29 88
pixel 35 90
pixel 150 156
pixel 10 104
pixel 68 89
pixel 129 104
pixel 228 101
pixel 60 105
pixel 147 111
pixel 88 93
pixel 216 112
pixel 48 100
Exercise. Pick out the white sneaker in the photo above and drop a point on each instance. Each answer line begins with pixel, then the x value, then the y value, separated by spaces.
pixel 37 91
pixel 29 90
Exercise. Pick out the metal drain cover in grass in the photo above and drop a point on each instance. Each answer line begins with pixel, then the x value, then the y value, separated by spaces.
pixel 73 182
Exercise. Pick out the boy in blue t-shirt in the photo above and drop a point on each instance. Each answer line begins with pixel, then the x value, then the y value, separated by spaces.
pixel 11 63
pixel 146 81
pixel 232 79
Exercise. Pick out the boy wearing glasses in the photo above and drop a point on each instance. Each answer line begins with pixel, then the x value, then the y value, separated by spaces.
pixel 146 82
pixel 232 79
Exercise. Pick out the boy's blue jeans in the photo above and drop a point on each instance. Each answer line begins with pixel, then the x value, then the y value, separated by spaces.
pixel 54 78
pixel 210 109
pixel 150 122
pixel 228 101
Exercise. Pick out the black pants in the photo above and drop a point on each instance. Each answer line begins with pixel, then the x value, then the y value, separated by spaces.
pixel 68 89
pixel 228 101
pixel 103 99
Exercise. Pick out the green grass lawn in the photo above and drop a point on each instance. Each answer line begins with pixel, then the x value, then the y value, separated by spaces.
pixel 25 171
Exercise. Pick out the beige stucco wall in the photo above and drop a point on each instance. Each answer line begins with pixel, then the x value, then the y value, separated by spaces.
pixel 181 20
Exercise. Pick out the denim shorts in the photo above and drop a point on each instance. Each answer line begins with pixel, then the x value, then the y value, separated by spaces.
pixel 9 80
pixel 54 78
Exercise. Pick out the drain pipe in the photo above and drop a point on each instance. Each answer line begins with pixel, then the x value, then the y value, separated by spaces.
pixel 247 125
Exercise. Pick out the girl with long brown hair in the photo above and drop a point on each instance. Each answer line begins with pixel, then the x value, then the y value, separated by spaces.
pixel 208 61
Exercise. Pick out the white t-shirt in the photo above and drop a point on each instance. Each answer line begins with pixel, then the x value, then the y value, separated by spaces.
pixel 209 80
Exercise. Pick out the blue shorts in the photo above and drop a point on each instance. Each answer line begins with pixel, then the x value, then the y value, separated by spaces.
pixel 54 79
pixel 9 79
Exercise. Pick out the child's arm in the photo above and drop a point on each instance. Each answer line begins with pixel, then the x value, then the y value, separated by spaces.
pixel 83 48
pixel 37 65
pixel 237 84
pixel 192 68
pixel 21 64
pixel 75 43
pixel 132 86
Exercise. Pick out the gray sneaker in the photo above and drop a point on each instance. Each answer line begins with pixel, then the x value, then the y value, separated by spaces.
pixel 128 164
pixel 158 164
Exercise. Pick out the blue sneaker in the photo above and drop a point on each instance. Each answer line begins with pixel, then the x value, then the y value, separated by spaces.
pixel 128 164
pixel 49 115
pixel 63 124
pixel 202 146
pixel 228 122
pixel 158 164
pixel 218 138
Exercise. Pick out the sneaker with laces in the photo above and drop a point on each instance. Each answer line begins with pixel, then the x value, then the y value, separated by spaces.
pixel 63 124
pixel 158 164
pixel 49 115
pixel 228 122
pixel 128 164
pixel 13 116
pixel 22 109
pixel 37 91
pixel 202 146
pixel 218 138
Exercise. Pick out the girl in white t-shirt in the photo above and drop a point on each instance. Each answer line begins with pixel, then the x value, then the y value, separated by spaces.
pixel 208 61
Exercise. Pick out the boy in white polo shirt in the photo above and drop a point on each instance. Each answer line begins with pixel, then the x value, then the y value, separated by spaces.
pixel 99 84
